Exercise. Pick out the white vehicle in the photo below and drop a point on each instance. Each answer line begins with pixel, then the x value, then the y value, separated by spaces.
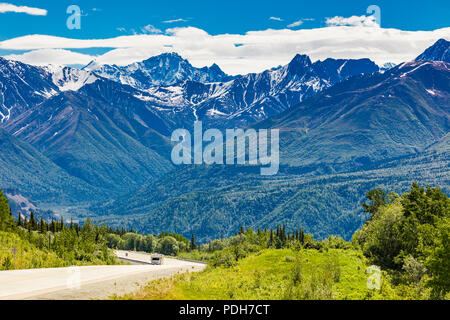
pixel 157 259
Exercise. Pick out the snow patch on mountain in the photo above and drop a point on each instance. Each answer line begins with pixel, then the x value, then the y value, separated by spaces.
pixel 69 79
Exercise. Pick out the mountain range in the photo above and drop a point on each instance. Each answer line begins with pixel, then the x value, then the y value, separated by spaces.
pixel 376 130
pixel 102 133
pixel 113 132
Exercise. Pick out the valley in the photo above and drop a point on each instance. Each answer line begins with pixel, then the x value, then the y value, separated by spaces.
pixel 96 142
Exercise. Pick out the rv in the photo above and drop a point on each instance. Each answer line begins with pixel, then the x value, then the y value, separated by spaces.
pixel 157 259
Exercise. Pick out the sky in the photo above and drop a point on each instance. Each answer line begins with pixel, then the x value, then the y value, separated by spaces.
pixel 240 36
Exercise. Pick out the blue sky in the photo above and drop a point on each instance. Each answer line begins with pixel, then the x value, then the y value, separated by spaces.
pixel 103 19
pixel 232 16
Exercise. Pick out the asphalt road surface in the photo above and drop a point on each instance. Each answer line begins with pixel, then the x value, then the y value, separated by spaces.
pixel 92 282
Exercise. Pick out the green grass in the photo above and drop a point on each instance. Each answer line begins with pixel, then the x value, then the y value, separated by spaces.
pixel 27 257
pixel 268 275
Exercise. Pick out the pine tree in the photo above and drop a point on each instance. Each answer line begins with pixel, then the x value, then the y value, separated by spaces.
pixel 193 244
pixel 42 225
pixel 302 236
pixel 33 222
pixel 53 226
pixel 271 237
pixel 19 222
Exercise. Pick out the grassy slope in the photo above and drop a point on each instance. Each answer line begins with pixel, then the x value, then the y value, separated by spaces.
pixel 28 256
pixel 264 275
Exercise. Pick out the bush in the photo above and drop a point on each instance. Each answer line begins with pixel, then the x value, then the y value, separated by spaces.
pixel 168 246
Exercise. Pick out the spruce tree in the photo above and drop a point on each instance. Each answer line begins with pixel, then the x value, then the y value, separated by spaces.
pixel 42 225
pixel 19 222
pixel 193 244
pixel 53 226
pixel 33 222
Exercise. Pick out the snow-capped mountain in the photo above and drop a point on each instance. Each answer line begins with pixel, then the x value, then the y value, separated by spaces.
pixel 366 117
pixel 70 79
pixel 254 97
pixel 171 86
pixel 209 95
pixel 23 86
pixel 387 66
pixel 440 51
pixel 162 70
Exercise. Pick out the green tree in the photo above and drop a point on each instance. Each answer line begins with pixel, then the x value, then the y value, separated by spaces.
pixel 33 222
pixel 193 244
pixel 168 246
pixel 5 213
pixel 377 198
pixel 439 262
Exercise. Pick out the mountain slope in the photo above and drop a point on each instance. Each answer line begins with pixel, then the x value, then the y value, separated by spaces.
pixel 256 97
pixel 223 101
pixel 368 118
pixel 24 168
pixel 86 136
pixel 440 51
pixel 21 87
pixel 215 201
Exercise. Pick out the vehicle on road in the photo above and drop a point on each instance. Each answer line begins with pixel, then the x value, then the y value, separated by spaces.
pixel 157 259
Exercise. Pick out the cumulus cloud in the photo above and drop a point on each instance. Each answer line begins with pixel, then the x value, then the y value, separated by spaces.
pixel 8 7
pixel 357 21
pixel 253 51
pixel 150 29
pixel 295 24
pixel 276 19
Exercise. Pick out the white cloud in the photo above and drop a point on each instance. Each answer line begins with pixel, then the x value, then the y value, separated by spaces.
pixel 295 24
pixel 257 50
pixel 150 29
pixel 8 7
pixel 276 19
pixel 356 21
pixel 175 20
pixel 44 57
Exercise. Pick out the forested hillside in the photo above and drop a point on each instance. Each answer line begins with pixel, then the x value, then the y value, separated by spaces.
pixel 402 252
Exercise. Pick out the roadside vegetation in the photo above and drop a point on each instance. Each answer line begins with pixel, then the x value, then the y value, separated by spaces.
pixel 402 252
pixel 42 244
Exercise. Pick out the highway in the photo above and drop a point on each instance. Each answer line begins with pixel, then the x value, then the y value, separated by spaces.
pixel 91 282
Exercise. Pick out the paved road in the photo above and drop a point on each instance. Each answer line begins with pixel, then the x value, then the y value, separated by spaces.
pixel 92 282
